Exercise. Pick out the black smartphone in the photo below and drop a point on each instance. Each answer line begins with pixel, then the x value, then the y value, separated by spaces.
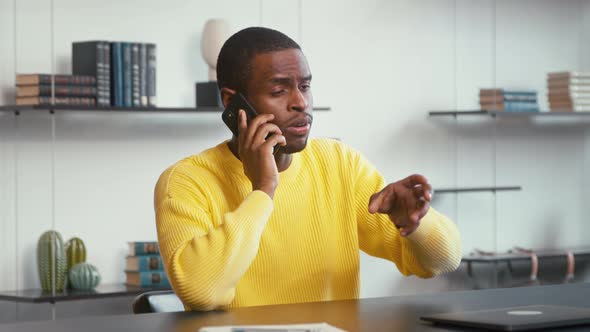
pixel 230 115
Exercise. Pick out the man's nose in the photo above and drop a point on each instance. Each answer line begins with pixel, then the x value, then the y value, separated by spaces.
pixel 298 101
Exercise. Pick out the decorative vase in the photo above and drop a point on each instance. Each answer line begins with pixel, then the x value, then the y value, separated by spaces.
pixel 84 276
pixel 75 253
pixel 51 261
pixel 215 33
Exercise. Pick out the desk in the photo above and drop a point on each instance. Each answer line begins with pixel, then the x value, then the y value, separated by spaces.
pixel 380 314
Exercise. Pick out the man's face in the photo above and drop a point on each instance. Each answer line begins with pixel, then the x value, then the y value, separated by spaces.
pixel 279 84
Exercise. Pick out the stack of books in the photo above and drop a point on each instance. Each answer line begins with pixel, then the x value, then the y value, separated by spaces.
pixel 508 100
pixel 568 91
pixel 125 71
pixel 144 267
pixel 36 89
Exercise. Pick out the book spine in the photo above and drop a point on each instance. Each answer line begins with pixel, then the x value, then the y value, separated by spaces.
pixel 521 107
pixel 150 263
pixel 114 69
pixel 143 99
pixel 135 74
pixel 68 91
pixel 146 248
pixel 68 79
pixel 127 73
pixel 44 100
pixel 120 76
pixel 151 74
pixel 154 279
pixel 106 73
pixel 100 83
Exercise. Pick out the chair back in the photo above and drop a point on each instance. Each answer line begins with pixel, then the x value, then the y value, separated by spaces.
pixel 157 301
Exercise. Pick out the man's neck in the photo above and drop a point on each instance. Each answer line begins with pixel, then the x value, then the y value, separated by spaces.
pixel 283 160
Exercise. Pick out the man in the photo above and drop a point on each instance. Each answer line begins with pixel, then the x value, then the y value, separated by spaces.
pixel 239 226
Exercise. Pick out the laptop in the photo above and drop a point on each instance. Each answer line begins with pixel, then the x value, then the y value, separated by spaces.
pixel 516 318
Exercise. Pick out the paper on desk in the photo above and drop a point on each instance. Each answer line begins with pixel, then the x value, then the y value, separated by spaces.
pixel 319 327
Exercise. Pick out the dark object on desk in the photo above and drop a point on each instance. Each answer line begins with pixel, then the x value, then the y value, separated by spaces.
pixel 207 94
pixel 524 318
pixel 157 301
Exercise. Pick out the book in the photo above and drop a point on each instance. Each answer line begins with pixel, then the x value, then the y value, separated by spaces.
pixel 127 75
pixel 151 74
pixel 585 108
pixel 144 263
pixel 116 74
pixel 568 74
pixel 93 58
pixel 570 89
pixel 147 279
pixel 60 90
pixel 564 83
pixel 506 92
pixel 135 79
pixel 37 79
pixel 144 248
pixel 143 98
pixel 84 101
pixel 501 98
pixel 512 106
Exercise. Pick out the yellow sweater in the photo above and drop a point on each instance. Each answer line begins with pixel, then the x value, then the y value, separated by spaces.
pixel 224 245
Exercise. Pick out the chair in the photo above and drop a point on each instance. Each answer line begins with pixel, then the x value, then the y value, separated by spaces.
pixel 157 301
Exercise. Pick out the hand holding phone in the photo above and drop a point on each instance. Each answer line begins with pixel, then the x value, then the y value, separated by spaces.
pixel 257 137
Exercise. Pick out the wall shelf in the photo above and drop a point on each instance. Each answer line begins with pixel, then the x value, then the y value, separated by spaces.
pixel 476 189
pixel 514 256
pixel 102 291
pixel 58 108
pixel 544 114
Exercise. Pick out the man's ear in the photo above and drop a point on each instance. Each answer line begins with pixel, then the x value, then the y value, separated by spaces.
pixel 226 94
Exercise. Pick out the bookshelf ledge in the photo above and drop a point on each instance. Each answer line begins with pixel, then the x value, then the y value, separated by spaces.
pixel 476 189
pixel 102 291
pixel 53 108
pixel 506 114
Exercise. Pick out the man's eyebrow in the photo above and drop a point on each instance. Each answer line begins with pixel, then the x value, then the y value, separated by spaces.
pixel 287 80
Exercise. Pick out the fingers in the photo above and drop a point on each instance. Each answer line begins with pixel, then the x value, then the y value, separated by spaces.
pixel 264 131
pixel 382 201
pixel 269 144
pixel 415 179
pixel 423 192
pixel 252 128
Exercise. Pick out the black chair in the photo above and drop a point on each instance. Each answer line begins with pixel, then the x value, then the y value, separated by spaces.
pixel 157 301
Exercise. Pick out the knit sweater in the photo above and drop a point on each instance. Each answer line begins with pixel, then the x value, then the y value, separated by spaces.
pixel 225 245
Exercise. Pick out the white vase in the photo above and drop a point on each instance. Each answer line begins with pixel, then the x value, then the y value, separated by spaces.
pixel 215 33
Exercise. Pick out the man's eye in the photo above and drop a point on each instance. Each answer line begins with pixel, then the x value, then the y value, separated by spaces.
pixel 277 92
pixel 305 87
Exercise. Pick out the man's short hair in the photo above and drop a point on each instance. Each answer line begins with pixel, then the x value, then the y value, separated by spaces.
pixel 234 63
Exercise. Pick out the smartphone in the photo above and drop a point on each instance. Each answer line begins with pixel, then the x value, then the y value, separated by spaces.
pixel 231 114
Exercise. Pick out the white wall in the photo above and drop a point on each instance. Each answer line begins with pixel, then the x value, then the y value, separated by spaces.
pixel 381 65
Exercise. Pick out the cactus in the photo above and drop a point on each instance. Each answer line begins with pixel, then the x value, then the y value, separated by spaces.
pixel 75 253
pixel 84 276
pixel 51 261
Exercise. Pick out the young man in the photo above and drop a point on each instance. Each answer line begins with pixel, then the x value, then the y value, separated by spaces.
pixel 239 226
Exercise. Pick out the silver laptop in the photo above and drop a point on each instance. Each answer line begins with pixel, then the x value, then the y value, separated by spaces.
pixel 515 318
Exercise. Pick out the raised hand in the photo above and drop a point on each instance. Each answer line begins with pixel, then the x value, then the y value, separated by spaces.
pixel 405 201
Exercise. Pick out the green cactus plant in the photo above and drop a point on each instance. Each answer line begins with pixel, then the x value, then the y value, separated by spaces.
pixel 75 253
pixel 51 261
pixel 84 276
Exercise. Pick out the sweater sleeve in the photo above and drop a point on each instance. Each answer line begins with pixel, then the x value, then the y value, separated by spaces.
pixel 433 248
pixel 203 261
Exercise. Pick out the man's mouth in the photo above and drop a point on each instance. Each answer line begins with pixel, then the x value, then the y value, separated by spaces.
pixel 300 127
